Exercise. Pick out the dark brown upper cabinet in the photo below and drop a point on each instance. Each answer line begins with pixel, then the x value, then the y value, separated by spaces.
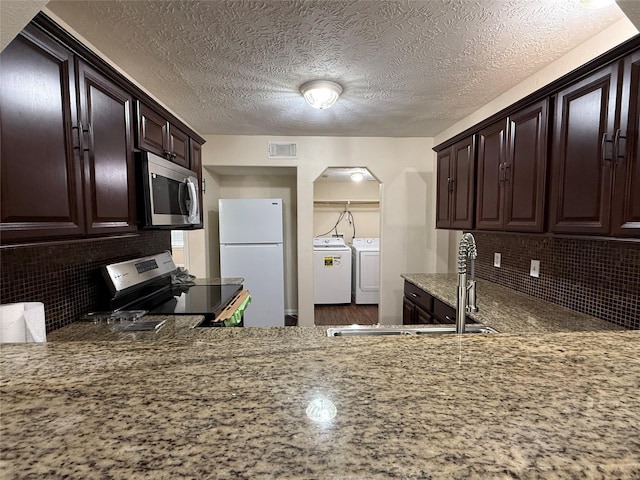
pixel 67 165
pixel 157 135
pixel 41 174
pixel 106 113
pixel 196 165
pixel 512 166
pixel 492 157
pixel 582 170
pixel 67 139
pixel 455 186
pixel 626 155
pixel 595 183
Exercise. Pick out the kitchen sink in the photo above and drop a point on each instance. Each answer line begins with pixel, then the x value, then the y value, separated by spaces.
pixel 365 331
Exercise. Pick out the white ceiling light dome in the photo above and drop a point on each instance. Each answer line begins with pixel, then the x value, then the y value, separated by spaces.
pixel 321 94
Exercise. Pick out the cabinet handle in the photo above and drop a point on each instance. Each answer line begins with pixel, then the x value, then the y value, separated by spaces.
pixel 81 131
pixel 616 145
pixel 90 139
pixel 501 173
pixel 78 128
pixel 450 182
pixel 507 167
pixel 415 295
pixel 167 154
pixel 603 145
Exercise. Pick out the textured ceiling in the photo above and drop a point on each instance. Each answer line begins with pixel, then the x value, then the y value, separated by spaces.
pixel 408 68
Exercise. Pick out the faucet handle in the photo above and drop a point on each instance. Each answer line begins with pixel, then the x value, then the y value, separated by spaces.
pixel 471 296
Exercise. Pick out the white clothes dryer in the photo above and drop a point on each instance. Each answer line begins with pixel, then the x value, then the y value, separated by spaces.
pixel 331 271
pixel 365 277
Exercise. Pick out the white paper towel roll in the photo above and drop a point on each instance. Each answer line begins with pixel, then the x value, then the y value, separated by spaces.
pixel 22 322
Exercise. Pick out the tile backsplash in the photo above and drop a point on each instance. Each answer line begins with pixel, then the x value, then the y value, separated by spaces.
pixel 597 277
pixel 66 276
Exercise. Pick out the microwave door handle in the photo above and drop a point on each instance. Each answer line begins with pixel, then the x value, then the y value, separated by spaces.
pixel 194 214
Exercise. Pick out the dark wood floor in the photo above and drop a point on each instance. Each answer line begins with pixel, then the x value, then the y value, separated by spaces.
pixel 346 314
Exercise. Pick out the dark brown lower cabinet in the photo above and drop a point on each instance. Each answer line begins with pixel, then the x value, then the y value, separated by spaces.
pixel 414 315
pixel 417 305
pixel 420 307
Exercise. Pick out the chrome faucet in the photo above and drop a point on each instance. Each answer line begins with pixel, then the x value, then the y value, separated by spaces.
pixel 466 290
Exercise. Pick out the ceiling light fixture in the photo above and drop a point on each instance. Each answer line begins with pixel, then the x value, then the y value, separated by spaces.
pixel 321 94
pixel 594 4
pixel 357 176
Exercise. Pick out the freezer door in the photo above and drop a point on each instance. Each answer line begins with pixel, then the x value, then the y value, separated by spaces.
pixel 262 267
pixel 250 220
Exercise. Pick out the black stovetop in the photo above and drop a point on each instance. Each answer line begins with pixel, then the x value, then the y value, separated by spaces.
pixel 207 300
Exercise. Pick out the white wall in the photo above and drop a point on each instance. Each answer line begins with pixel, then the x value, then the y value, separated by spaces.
pixel 15 15
pixel 409 242
pixel 366 217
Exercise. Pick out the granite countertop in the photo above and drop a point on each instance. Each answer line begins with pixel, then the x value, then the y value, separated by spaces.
pixel 175 327
pixel 509 311
pixel 242 403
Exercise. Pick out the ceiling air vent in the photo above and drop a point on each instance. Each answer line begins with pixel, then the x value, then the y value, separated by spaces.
pixel 283 150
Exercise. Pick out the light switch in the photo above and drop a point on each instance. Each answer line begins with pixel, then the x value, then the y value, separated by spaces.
pixel 497 258
pixel 535 268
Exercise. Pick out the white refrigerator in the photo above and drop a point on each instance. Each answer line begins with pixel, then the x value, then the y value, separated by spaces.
pixel 251 246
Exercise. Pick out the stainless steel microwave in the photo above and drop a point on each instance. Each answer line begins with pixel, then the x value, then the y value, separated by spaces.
pixel 169 193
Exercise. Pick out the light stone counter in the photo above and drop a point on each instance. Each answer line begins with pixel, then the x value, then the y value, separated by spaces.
pixel 234 405
pixel 176 327
pixel 509 311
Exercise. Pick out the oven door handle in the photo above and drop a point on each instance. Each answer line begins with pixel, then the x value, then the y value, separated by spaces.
pixel 194 211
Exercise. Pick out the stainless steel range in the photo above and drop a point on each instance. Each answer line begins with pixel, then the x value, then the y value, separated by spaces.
pixel 144 285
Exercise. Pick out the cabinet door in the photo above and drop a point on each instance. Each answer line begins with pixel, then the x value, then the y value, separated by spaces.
pixel 443 313
pixel 492 156
pixel 443 189
pixel 581 162
pixel 422 317
pixel 196 165
pixel 525 170
pixel 178 146
pixel 408 312
pixel 41 176
pixel 106 112
pixel 463 174
pixel 152 131
pixel 626 190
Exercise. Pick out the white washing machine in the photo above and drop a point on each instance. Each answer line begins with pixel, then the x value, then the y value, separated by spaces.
pixel 365 270
pixel 331 271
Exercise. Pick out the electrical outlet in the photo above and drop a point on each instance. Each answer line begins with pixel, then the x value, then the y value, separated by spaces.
pixel 535 268
pixel 497 258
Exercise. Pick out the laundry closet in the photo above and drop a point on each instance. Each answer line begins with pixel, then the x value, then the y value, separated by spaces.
pixel 346 246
